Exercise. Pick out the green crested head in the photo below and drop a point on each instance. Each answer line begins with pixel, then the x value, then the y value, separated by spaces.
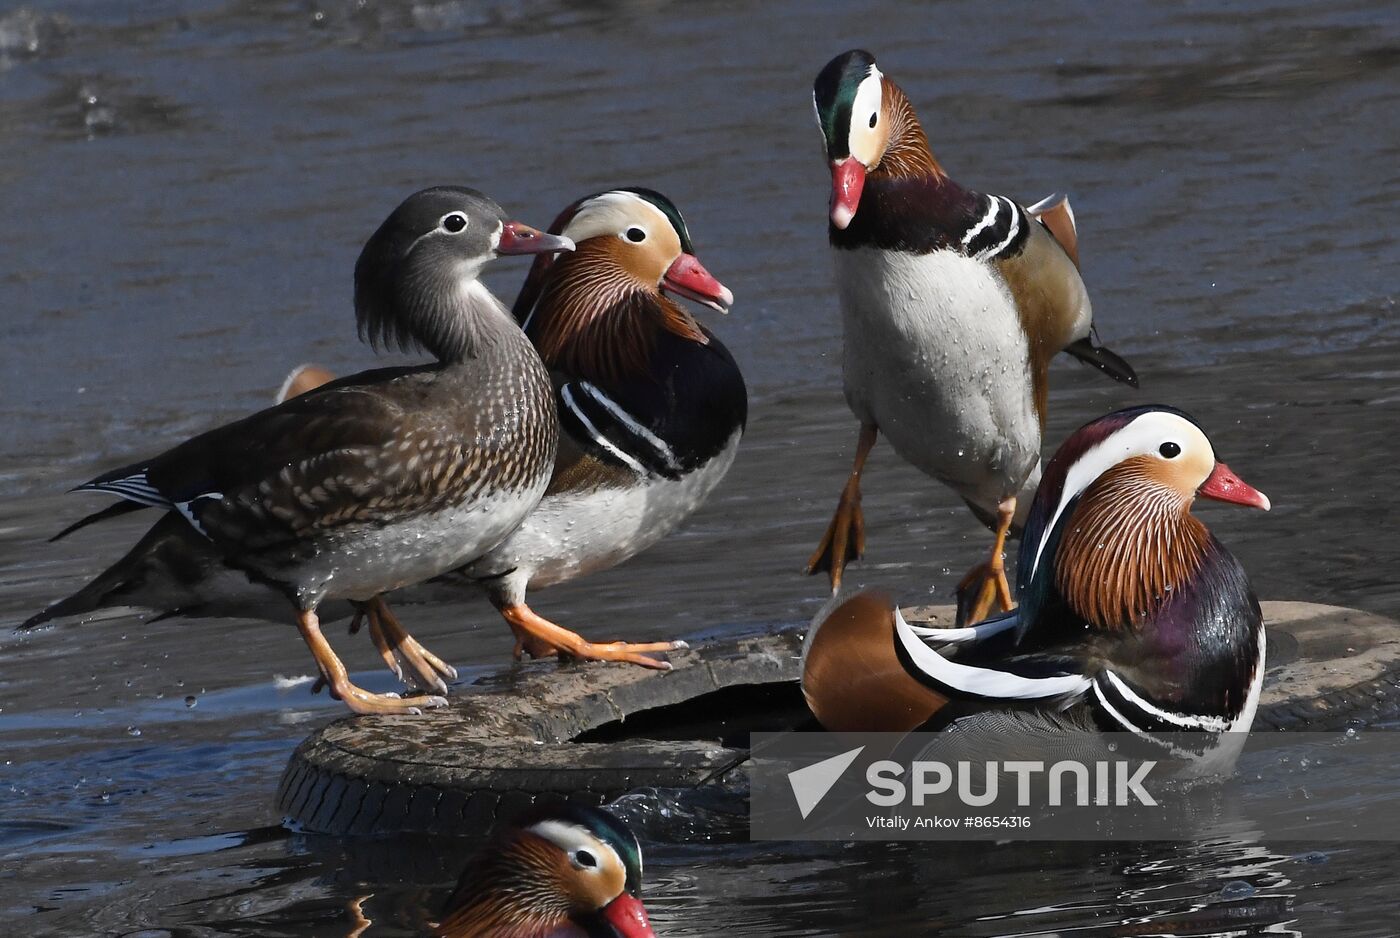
pixel 834 95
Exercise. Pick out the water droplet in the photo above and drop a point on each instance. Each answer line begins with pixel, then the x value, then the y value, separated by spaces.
pixel 1237 889
pixel 133 731
pixel 191 701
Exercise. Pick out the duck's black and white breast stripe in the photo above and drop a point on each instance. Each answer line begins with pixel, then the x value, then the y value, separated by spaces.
pixel 613 434
pixel 999 229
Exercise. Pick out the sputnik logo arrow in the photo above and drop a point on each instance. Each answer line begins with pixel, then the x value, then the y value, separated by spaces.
pixel 811 784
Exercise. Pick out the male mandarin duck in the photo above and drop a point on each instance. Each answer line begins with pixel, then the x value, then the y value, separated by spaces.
pixel 953 304
pixel 564 871
pixel 651 408
pixel 378 480
pixel 1132 617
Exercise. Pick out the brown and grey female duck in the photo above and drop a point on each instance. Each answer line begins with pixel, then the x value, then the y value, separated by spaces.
pixel 384 478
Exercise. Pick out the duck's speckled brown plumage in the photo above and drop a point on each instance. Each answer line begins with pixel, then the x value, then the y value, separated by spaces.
pixel 372 450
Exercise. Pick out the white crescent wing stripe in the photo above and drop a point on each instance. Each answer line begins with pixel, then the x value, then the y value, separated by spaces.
pixel 993 209
pixel 627 420
pixel 974 633
pixel 983 682
pixel 598 438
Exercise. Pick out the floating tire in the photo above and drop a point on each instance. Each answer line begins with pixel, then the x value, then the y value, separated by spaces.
pixel 593 732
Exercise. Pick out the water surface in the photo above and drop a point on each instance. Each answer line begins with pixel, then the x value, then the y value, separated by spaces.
pixel 184 188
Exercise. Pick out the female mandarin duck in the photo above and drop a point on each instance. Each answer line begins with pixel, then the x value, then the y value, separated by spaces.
pixel 1133 616
pixel 381 479
pixel 566 871
pixel 651 408
pixel 953 304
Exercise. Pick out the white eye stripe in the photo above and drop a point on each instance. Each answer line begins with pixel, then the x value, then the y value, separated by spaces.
pixel 1140 437
pixel 574 840
pixel 613 213
pixel 861 139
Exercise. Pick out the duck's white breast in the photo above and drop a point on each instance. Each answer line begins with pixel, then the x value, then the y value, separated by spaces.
pixel 573 534
pixel 936 358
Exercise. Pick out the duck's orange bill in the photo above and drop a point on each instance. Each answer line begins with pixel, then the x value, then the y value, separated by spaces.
pixel 1222 485
pixel 847 181
pixel 628 917
pixel 519 238
pixel 687 277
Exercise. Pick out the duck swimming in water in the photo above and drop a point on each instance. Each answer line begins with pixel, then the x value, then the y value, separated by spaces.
pixel 562 871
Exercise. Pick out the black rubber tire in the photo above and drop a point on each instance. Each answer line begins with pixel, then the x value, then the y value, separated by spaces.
pixel 525 735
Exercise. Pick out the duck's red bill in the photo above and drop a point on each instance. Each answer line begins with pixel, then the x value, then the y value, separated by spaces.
pixel 628 917
pixel 687 277
pixel 847 181
pixel 519 238
pixel 1222 485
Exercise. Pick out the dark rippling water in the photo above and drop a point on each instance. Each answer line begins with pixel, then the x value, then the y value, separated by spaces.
pixel 184 188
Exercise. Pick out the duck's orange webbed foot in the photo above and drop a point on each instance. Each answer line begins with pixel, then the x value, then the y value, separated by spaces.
pixel 844 539
pixel 986 583
pixel 540 638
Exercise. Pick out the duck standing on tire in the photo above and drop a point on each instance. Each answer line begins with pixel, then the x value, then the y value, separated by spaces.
pixel 387 477
pixel 953 303
pixel 556 871
pixel 651 409
pixel 1133 617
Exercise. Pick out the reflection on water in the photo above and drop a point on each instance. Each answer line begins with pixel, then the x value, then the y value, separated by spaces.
pixel 185 186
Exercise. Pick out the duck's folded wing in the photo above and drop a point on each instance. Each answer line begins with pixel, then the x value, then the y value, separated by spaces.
pixel 1042 677
pixel 309 465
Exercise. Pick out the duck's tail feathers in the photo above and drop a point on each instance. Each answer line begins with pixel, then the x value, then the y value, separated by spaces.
pixel 111 511
pixel 95 595
pixel 1104 359
pixel 154 574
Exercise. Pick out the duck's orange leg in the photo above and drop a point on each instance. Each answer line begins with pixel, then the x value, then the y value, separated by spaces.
pixel 338 679
pixel 845 536
pixel 986 583
pixel 425 669
pixel 540 638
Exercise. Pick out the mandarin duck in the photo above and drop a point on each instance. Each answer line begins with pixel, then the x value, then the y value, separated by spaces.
pixel 1132 617
pixel 651 408
pixel 553 872
pixel 378 480
pixel 953 303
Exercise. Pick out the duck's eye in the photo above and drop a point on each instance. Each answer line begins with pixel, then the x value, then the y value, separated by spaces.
pixel 453 222
pixel 636 235
pixel 873 118
pixel 1169 450
pixel 585 860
